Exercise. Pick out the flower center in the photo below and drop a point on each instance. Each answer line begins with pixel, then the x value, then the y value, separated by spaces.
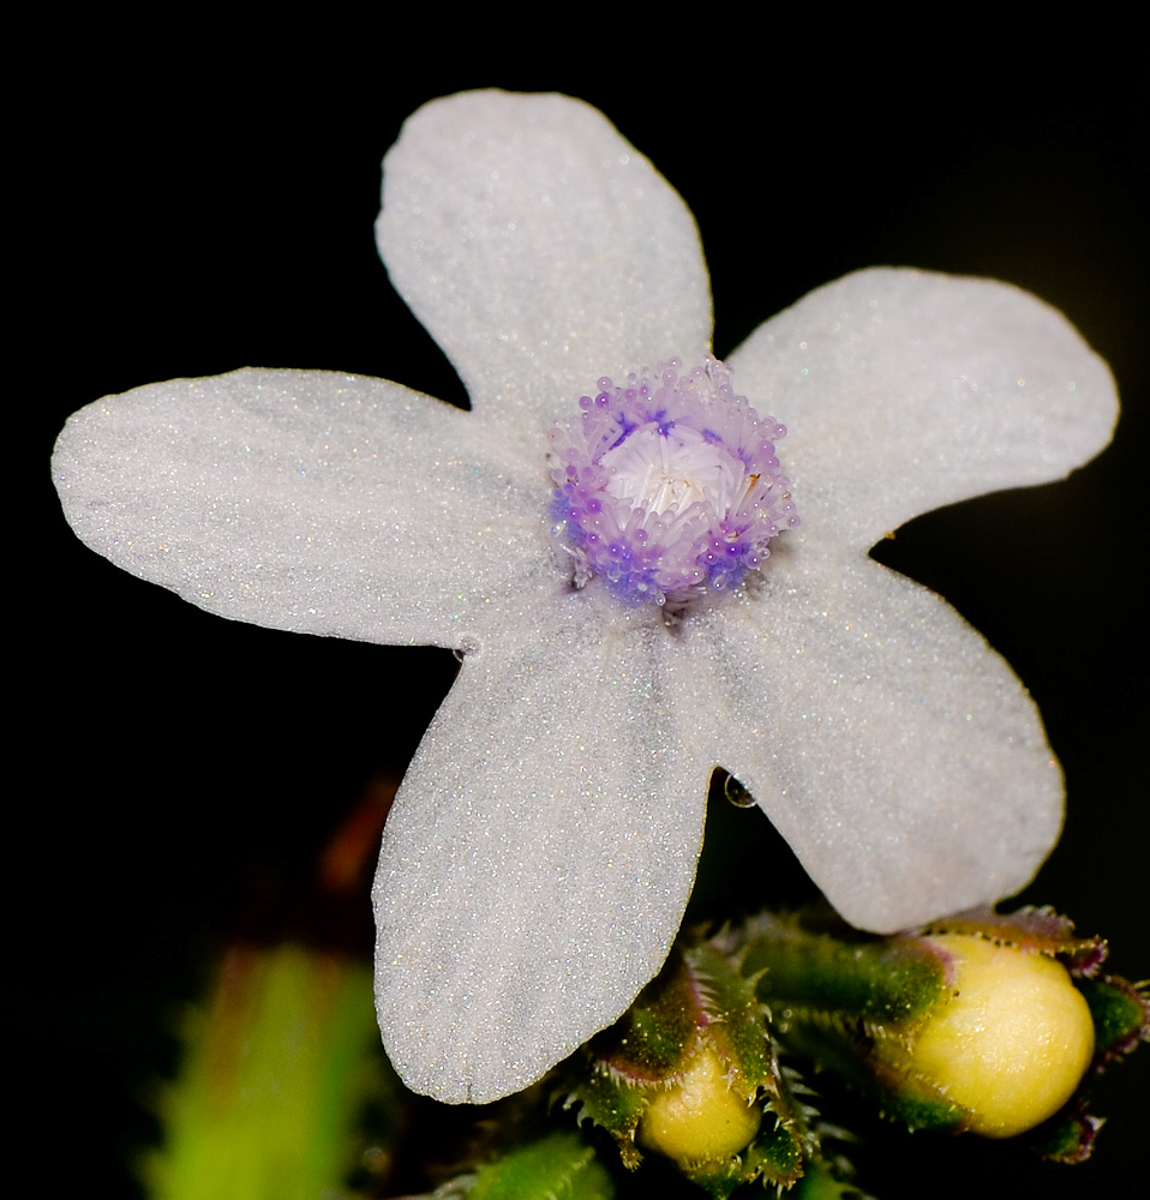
pixel 668 490
pixel 659 469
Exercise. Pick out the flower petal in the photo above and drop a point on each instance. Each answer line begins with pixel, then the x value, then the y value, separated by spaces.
pixel 306 500
pixel 903 391
pixel 540 249
pixel 538 859
pixel 894 750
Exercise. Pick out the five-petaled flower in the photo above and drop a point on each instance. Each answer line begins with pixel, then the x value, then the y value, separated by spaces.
pixel 537 862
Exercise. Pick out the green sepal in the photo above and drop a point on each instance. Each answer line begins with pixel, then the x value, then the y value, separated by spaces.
pixel 913 1100
pixel 602 1097
pixel 778 1155
pixel 561 1166
pixel 643 1049
pixel 832 994
pixel 1039 930
pixel 735 1021
pixel 1068 1137
pixel 1121 1015
pixel 873 980
pixel 649 1043
pixel 718 1180
pixel 776 1158
pixel 845 1050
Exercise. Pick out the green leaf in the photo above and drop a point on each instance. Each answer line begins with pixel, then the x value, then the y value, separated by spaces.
pixel 558 1167
pixel 277 1072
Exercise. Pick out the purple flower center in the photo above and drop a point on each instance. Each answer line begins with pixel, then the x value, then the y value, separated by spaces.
pixel 668 491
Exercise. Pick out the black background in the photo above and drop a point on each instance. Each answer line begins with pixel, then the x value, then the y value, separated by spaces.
pixel 207 202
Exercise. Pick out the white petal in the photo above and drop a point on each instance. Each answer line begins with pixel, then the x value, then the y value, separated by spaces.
pixel 540 249
pixel 540 853
pixel 894 750
pixel 903 391
pixel 305 500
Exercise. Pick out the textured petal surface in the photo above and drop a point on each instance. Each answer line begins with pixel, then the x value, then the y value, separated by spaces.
pixel 904 391
pixel 540 853
pixel 894 750
pixel 310 501
pixel 540 249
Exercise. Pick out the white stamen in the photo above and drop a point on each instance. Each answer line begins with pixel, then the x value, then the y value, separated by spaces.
pixel 673 470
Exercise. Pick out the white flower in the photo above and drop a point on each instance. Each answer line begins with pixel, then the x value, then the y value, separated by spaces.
pixel 537 861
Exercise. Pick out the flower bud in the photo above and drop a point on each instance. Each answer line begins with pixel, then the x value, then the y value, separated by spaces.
pixel 1009 1043
pixel 698 1118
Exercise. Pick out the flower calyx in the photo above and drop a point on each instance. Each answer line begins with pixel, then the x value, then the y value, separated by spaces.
pixel 984 1022
pixel 987 1023
pixel 1008 1043
pixel 690 1073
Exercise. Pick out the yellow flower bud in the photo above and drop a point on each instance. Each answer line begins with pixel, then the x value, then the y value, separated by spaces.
pixel 1011 1042
pixel 698 1118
